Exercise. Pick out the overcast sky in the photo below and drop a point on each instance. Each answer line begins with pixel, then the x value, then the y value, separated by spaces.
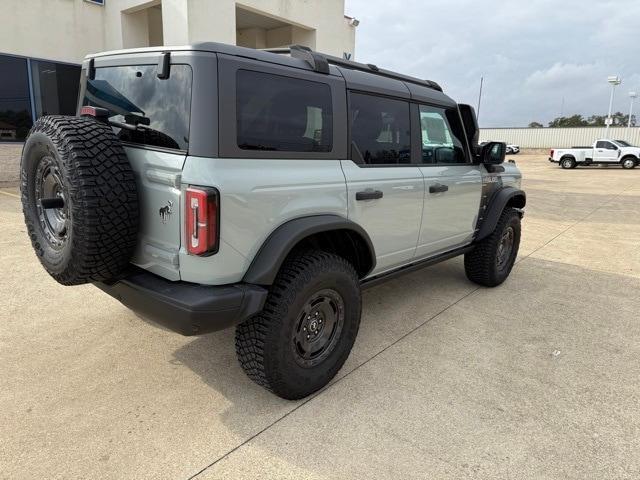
pixel 532 53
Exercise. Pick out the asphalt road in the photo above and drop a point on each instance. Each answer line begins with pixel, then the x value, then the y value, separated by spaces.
pixel 539 378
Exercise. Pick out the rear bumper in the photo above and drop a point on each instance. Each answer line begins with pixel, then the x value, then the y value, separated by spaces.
pixel 551 160
pixel 187 308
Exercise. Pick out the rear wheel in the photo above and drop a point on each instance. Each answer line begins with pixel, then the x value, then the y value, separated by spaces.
pixel 568 162
pixel 297 344
pixel 490 262
pixel 629 163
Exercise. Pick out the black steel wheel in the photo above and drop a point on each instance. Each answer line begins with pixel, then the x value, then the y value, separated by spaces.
pixel 505 248
pixel 297 344
pixel 318 328
pixel 53 211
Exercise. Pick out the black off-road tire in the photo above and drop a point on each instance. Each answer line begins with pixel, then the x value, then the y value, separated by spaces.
pixel 482 264
pixel 568 163
pixel 266 345
pixel 96 230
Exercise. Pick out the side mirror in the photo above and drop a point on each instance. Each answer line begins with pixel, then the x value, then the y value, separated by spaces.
pixel 492 153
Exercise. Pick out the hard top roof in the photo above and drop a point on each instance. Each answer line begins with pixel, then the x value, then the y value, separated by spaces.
pixel 358 76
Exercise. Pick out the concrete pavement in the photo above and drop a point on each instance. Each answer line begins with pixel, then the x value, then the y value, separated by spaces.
pixel 535 379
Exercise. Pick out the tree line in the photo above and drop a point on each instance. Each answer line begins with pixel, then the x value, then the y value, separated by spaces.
pixel 619 120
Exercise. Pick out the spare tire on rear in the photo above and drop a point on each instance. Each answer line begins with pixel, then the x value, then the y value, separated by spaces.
pixel 79 199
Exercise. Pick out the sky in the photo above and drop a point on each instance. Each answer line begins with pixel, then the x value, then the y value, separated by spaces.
pixel 532 54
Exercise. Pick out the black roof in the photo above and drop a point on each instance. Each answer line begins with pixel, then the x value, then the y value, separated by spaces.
pixel 359 76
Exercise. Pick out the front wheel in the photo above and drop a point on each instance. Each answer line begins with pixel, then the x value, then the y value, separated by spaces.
pixel 491 261
pixel 629 163
pixel 305 332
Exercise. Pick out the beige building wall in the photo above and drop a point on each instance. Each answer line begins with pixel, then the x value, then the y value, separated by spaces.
pixel 64 30
pixel 67 30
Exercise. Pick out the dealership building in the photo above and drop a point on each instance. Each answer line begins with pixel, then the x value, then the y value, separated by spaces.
pixel 42 42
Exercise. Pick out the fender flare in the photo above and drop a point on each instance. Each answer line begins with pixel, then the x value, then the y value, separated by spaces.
pixel 267 262
pixel 496 206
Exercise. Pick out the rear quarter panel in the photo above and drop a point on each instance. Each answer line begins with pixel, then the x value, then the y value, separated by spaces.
pixel 256 197
pixel 580 154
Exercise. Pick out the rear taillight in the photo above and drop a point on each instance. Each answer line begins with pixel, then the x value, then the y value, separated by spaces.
pixel 551 153
pixel 203 215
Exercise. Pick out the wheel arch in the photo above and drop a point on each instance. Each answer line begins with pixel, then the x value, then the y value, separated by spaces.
pixel 630 156
pixel 506 197
pixel 329 232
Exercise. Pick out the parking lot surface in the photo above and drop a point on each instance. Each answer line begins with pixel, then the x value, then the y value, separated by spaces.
pixel 538 378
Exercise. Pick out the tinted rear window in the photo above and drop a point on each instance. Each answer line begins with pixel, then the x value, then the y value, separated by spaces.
pixel 158 109
pixel 283 114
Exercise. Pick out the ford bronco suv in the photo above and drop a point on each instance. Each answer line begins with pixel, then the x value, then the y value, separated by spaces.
pixel 212 186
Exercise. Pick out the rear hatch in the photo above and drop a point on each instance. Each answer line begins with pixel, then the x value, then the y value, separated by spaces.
pixel 154 116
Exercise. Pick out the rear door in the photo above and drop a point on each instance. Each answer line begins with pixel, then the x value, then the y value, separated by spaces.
pixel 453 185
pixel 154 114
pixel 384 187
pixel 605 152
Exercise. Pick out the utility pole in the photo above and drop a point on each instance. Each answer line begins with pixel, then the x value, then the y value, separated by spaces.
pixel 479 99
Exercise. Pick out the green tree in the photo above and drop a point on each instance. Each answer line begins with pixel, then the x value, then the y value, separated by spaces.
pixel 535 125
pixel 572 121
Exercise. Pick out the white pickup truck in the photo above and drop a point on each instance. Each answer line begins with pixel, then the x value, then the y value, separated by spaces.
pixel 603 152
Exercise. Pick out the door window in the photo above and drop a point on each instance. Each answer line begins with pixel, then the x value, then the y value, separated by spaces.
pixel 442 135
pixel 380 130
pixel 605 145
pixel 282 114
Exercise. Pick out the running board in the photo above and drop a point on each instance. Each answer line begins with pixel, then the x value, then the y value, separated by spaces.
pixel 412 267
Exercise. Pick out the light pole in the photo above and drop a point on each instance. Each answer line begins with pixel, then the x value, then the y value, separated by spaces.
pixel 614 81
pixel 632 96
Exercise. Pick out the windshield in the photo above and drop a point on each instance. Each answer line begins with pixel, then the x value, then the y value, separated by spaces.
pixel 622 143
pixel 158 110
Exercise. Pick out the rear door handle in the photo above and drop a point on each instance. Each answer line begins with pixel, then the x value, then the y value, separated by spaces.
pixel 369 194
pixel 438 188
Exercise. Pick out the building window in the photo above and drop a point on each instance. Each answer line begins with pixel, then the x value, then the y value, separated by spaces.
pixel 283 114
pixel 55 87
pixel 15 104
pixel 380 129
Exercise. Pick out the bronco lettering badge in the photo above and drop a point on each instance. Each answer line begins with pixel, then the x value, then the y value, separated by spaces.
pixel 166 211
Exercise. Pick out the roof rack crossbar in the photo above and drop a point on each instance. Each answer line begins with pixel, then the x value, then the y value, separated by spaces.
pixel 320 62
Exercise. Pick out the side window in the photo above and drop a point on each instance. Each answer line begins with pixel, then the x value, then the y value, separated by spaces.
pixel 442 135
pixel 282 114
pixel 380 129
pixel 606 145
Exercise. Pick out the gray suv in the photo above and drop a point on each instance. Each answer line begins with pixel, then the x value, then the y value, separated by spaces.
pixel 212 186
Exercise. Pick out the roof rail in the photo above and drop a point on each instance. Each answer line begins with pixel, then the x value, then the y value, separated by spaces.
pixel 320 63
